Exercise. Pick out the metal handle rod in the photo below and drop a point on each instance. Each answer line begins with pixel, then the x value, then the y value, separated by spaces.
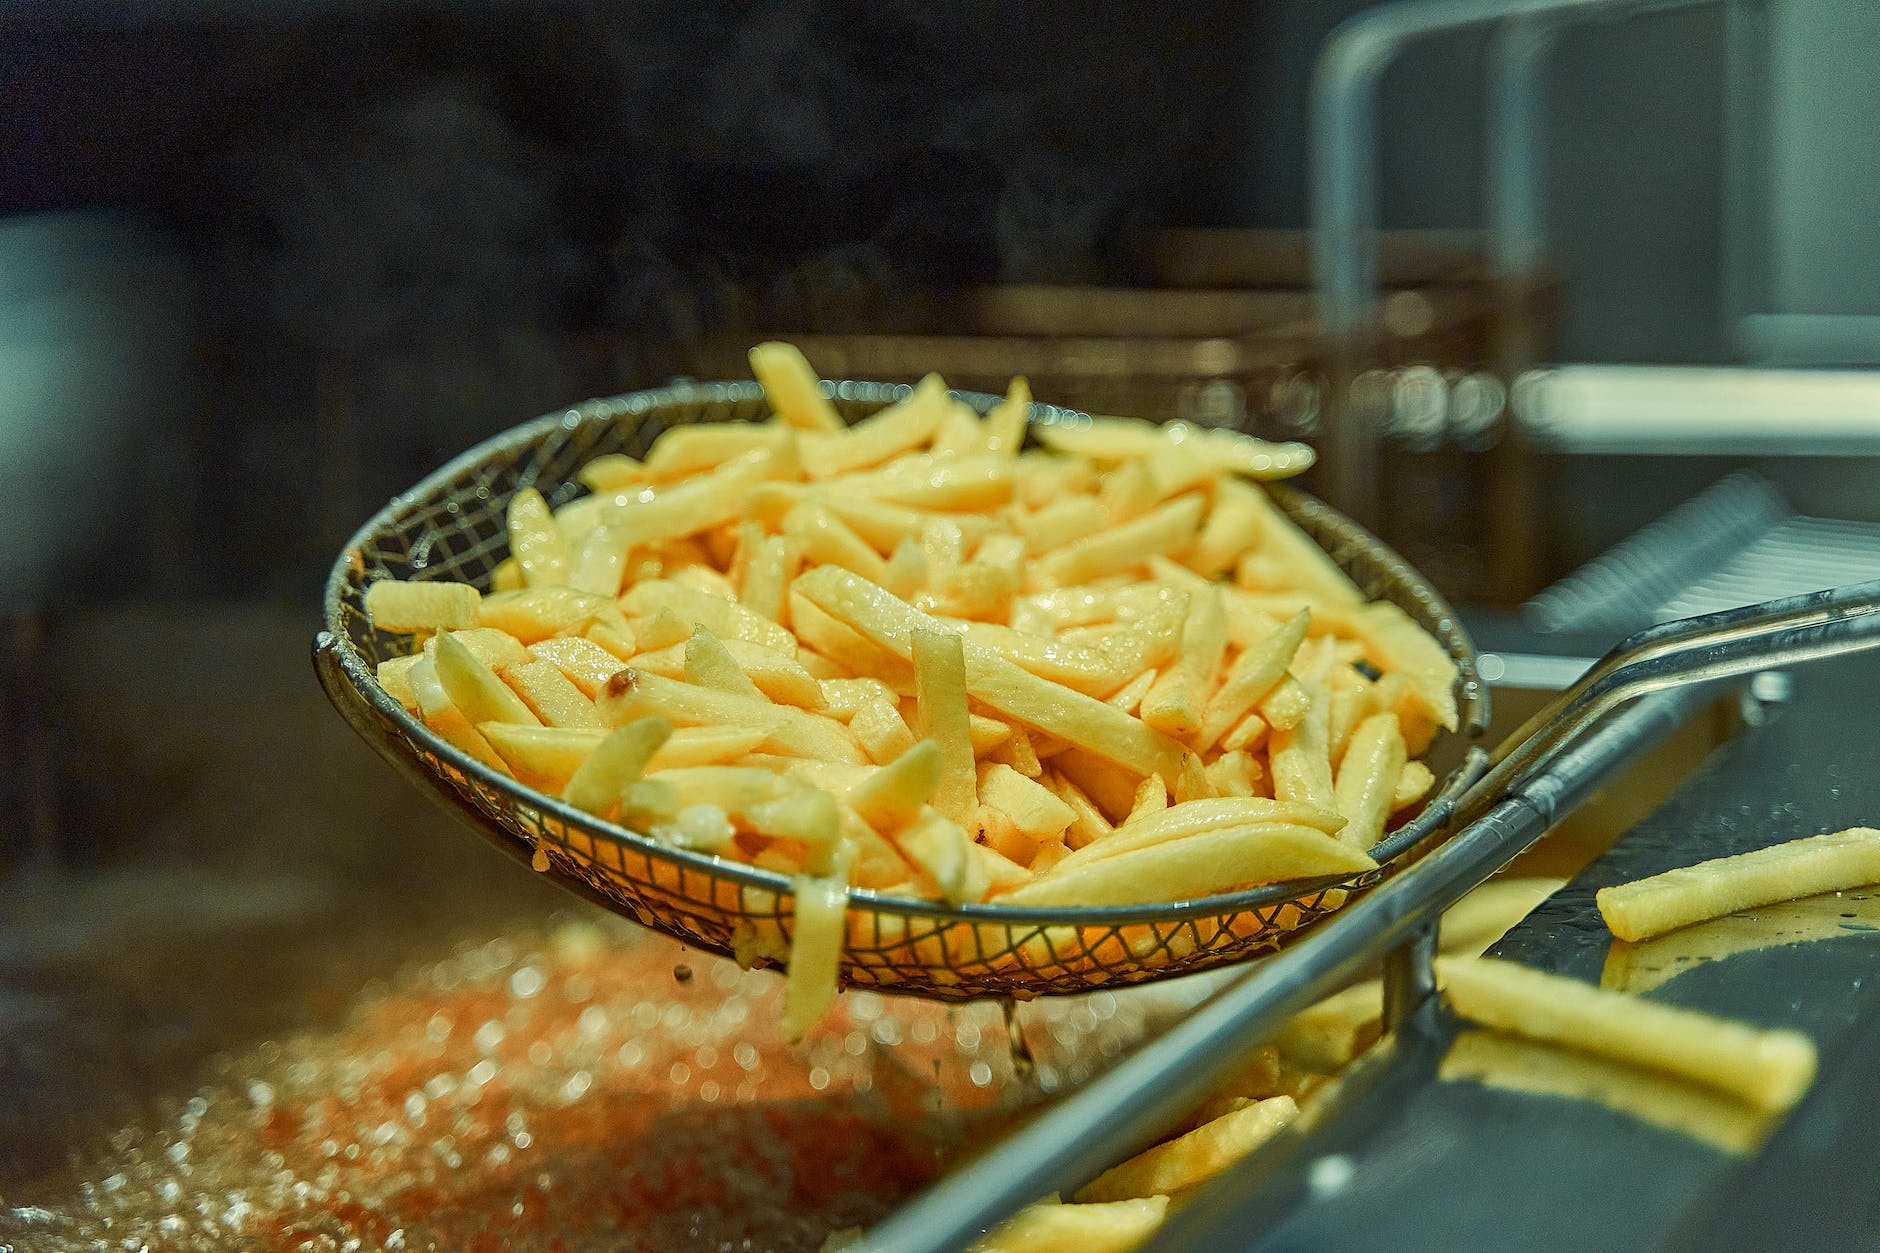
pixel 1522 797
pixel 1342 191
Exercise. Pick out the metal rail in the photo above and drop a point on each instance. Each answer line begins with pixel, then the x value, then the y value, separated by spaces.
pixel 1343 172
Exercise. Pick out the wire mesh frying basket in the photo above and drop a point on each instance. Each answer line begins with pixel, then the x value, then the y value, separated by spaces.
pixel 452 526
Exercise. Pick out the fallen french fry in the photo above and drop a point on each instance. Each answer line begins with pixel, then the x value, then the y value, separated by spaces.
pixel 1193 1158
pixel 1784 872
pixel 1769 1069
pixel 1100 1227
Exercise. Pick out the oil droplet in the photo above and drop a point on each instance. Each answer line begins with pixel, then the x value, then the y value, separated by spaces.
pixel 682 973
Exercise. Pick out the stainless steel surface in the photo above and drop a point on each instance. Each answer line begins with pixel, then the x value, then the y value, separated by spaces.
pixel 1545 769
pixel 1399 1158
pixel 450 526
pixel 1735 544
pixel 1696 411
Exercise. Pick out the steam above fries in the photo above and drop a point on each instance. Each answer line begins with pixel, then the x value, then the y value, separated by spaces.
pixel 911 656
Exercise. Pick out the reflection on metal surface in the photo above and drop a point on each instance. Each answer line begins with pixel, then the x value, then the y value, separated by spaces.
pixel 1832 915
pixel 1696 410
pixel 1511 1064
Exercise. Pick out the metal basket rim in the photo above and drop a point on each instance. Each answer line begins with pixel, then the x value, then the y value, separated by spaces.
pixel 365 686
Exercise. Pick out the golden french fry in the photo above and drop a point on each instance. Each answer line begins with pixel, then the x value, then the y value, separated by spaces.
pixel 825 539
pixel 817 931
pixel 1248 681
pixel 901 426
pixel 1301 760
pixel 990 679
pixel 1081 669
pixel 943 851
pixel 1191 818
pixel 443 716
pixel 394 675
pixel 725 619
pixel 1724 885
pixel 940 701
pixel 952 484
pixel 1287 705
pixel 1166 529
pixel 767 577
pixel 1213 861
pixel 543 758
pixel 1033 809
pixel 1769 1069
pixel 693 447
pixel 549 694
pixel 884 735
pixel 1326 1036
pixel 708 664
pixel 536 613
pixel 1018 752
pixel 598 784
pixel 587 664
pixel 1005 425
pixel 611 472
pixel 794 391
pixel 892 796
pixel 644 516
pixel 405 608
pixel 1366 779
pixel 1414 782
pixel 540 548
pixel 847 647
pixel 1100 1227
pixel 496 649
pixel 1193 1158
pixel 474 688
pixel 1061 522
pixel 1174 705
pixel 1232 527
pixel 634 694
pixel 1486 914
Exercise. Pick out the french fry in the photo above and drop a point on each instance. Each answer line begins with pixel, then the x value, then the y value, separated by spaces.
pixel 708 664
pixel 990 679
pixel 1087 822
pixel 1414 782
pixel 442 715
pixel 1191 818
pixel 1724 885
pixel 1081 669
pixel 1253 675
pixel 883 734
pixel 940 698
pixel 952 485
pixel 496 649
pixel 725 619
pixel 611 472
pixel 825 539
pixel 643 516
pixel 634 694
pixel 1300 758
pixel 545 758
pixel 683 451
pixel 944 852
pixel 1214 861
pixel 598 784
pixel 1326 1036
pixel 841 643
pixel 1174 705
pixel 534 614
pixel 587 664
pixel 407 608
pixel 394 675
pixel 1018 753
pixel 817 931
pixel 1366 779
pixel 892 796
pixel 900 427
pixel 474 688
pixel 794 391
pixel 1232 527
pixel 1769 1069
pixel 1193 1158
pixel 537 544
pixel 1005 425
pixel 1033 809
pixel 1102 1227
pixel 1166 529
pixel 1287 705
pixel 550 696
pixel 774 675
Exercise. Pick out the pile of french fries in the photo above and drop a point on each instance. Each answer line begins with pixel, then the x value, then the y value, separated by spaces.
pixel 915 656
